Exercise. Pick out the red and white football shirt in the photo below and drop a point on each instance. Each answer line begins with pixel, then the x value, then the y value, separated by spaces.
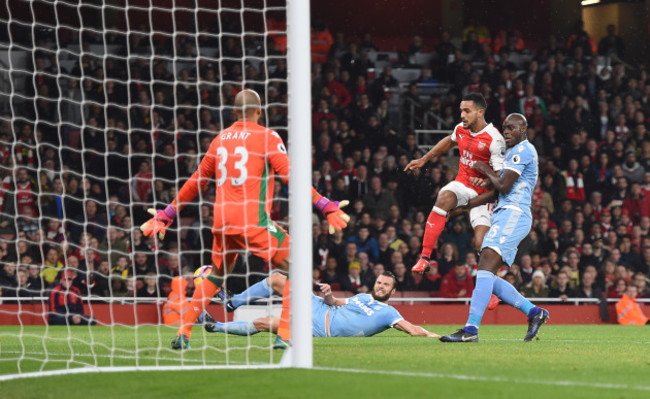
pixel 487 145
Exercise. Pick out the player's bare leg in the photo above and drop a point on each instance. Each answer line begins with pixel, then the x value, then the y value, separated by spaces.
pixel 445 202
pixel 479 232
pixel 267 324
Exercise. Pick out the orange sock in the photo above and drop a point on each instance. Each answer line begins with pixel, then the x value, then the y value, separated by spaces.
pixel 201 298
pixel 284 329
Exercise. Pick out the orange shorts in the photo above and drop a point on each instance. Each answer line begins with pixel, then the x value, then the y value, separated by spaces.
pixel 269 243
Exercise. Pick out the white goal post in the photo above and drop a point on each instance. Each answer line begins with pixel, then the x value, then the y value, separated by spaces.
pixel 300 180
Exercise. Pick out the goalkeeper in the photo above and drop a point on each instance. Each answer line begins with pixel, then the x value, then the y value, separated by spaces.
pixel 362 315
pixel 242 159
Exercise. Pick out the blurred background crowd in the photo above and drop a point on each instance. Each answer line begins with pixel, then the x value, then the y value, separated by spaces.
pixel 103 138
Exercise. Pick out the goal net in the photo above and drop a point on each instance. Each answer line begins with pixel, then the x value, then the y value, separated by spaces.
pixel 106 109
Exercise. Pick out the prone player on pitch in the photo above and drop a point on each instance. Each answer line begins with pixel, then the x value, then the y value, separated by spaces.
pixel 362 315
pixel 477 141
pixel 242 158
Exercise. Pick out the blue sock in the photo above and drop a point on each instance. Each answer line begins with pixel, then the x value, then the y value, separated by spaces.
pixel 236 328
pixel 480 298
pixel 252 294
pixel 509 294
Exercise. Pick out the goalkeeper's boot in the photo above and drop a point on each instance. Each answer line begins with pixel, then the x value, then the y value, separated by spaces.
pixel 462 335
pixel 535 322
pixel 181 342
pixel 279 343
pixel 422 266
pixel 209 321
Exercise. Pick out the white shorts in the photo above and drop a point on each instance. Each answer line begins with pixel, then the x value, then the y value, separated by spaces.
pixel 478 216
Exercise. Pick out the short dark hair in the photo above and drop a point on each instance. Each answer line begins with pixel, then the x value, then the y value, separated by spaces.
pixel 477 98
pixel 390 274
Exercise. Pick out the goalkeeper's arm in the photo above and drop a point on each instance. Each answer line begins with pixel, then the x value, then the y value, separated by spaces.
pixel 279 160
pixel 163 218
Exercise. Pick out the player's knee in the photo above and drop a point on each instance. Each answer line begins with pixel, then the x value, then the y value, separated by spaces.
pixel 490 260
pixel 277 281
pixel 447 200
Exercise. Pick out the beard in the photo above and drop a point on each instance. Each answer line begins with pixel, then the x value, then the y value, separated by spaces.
pixel 383 298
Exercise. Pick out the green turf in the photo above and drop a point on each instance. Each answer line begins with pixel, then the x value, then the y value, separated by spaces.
pixel 569 361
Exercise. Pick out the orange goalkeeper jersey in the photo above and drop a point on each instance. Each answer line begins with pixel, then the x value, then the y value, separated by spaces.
pixel 243 160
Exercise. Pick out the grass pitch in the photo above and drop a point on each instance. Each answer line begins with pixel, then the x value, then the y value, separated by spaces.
pixel 595 361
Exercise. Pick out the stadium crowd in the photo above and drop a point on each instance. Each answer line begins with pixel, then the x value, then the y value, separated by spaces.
pixel 118 135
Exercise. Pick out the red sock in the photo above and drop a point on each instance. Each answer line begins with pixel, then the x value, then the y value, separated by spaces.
pixel 284 329
pixel 432 230
pixel 202 296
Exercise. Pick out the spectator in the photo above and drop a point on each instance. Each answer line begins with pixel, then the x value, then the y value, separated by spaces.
pixel 378 200
pixel 151 289
pixel 641 282
pixel 561 287
pixel 34 280
pixel 588 287
pixel 632 170
pixel 101 280
pixel 51 267
pixel 366 269
pixel 431 280
pixel 611 45
pixel 618 289
pixel 331 276
pixel 537 288
pixel 458 237
pixel 8 279
pixel 66 307
pixel 90 221
pixel 447 258
pixel 352 282
pixel 405 281
pixel 113 246
pixel 365 243
pixel 457 283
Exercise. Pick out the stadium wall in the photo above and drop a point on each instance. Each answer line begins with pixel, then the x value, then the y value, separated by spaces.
pixel 129 314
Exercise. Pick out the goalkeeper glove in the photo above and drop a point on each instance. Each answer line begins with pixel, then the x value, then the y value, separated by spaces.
pixel 336 218
pixel 159 223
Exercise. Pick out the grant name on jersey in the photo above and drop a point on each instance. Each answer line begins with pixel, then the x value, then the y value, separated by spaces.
pixel 235 135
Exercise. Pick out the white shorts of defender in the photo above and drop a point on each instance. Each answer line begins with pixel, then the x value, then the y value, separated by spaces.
pixel 479 216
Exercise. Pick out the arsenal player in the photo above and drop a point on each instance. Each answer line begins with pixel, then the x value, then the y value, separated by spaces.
pixel 477 141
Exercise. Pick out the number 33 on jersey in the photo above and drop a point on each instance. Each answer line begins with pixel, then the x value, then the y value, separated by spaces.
pixel 243 160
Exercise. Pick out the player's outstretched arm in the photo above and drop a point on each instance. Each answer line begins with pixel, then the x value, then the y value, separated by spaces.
pixel 413 330
pixel 336 218
pixel 503 183
pixel 328 297
pixel 441 148
pixel 163 218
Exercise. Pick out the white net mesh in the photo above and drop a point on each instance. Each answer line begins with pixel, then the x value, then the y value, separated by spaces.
pixel 107 108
